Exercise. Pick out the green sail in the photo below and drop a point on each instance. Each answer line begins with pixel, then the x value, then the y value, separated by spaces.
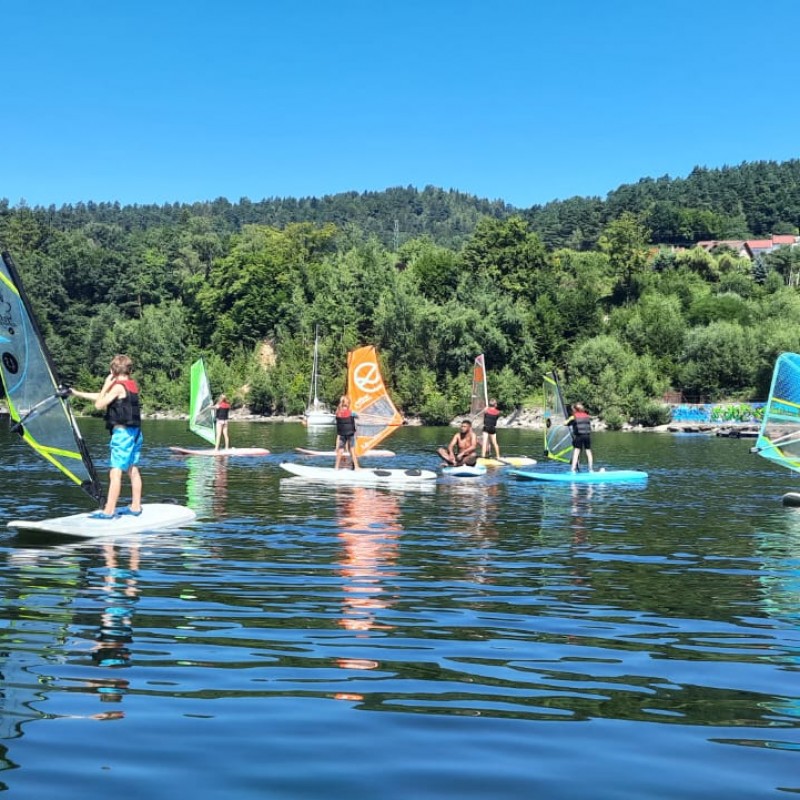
pixel 557 434
pixel 201 404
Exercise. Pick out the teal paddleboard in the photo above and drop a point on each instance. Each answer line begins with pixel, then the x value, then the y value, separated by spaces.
pixel 606 476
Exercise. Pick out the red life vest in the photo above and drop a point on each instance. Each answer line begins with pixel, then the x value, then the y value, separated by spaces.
pixel 345 422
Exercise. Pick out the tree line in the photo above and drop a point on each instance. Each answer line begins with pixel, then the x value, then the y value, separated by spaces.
pixel 624 318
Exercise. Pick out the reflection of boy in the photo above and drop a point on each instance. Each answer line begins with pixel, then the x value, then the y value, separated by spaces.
pixel 119 398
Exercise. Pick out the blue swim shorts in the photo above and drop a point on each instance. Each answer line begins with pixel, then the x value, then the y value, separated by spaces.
pixel 126 446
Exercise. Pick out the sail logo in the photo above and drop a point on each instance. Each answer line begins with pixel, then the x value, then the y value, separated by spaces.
pixel 10 363
pixel 367 377
pixel 6 318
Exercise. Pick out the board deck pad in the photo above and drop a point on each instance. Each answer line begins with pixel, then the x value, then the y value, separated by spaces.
pixel 367 477
pixel 231 451
pixel 598 476
pixel 510 461
pixel 154 516
pixel 332 453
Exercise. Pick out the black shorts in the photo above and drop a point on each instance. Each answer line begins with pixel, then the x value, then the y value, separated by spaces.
pixel 583 441
pixel 346 441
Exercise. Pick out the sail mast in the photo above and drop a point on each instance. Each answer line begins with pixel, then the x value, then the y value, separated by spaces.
pixel 41 416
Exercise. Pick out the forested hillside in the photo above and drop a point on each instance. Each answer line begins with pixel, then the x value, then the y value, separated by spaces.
pixel 432 278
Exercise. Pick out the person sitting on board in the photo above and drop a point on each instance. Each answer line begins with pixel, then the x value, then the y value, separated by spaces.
pixel 463 447
pixel 345 432
pixel 581 425
pixel 222 411
pixel 490 416
pixel 119 398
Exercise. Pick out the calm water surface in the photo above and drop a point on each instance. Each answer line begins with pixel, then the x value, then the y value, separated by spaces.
pixel 484 639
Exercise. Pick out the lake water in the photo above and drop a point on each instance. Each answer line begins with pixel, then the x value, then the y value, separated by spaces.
pixel 484 639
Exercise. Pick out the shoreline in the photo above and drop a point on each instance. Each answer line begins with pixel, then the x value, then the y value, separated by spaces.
pixel 522 419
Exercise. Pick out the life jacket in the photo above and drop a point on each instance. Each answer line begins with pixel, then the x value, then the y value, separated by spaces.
pixel 490 417
pixel 581 423
pixel 125 410
pixel 345 422
pixel 222 411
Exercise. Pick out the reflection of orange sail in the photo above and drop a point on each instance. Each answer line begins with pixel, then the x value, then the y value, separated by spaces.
pixel 369 535
pixel 377 416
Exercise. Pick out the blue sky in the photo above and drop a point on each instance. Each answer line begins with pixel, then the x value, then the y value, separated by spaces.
pixel 523 100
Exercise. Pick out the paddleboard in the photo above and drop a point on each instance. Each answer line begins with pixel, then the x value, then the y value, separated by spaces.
pixel 154 516
pixel 231 451
pixel 365 477
pixel 607 476
pixel 332 453
pixel 464 471
pixel 511 461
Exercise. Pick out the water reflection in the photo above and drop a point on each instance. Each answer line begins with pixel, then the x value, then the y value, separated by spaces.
pixel 207 486
pixel 369 532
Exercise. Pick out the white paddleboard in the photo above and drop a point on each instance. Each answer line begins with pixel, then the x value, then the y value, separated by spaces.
pixel 510 461
pixel 360 477
pixel 231 451
pixel 154 516
pixel 332 453
pixel 464 471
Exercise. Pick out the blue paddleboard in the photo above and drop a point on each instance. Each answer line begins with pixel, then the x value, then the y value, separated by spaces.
pixel 465 471
pixel 607 476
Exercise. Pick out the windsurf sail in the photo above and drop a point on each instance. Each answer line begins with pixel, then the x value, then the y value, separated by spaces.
pixel 377 415
pixel 39 414
pixel 480 394
pixel 557 434
pixel 202 419
pixel 779 436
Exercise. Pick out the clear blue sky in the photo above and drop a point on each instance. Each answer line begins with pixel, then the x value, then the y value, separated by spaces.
pixel 522 100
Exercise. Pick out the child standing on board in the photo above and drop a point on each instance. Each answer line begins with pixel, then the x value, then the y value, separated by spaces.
pixel 119 398
pixel 581 424
pixel 490 417
pixel 222 411
pixel 345 432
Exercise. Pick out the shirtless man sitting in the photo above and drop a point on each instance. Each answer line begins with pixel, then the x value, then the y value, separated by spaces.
pixel 462 448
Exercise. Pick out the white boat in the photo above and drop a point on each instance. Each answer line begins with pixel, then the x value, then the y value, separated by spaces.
pixel 317 413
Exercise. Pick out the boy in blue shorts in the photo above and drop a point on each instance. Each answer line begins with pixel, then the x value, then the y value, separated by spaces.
pixel 119 398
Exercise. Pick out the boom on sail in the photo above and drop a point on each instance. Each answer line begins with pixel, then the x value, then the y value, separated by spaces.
pixel 40 413
pixel 557 435
pixel 377 415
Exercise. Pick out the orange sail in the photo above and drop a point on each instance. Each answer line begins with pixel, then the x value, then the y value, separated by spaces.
pixel 377 417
